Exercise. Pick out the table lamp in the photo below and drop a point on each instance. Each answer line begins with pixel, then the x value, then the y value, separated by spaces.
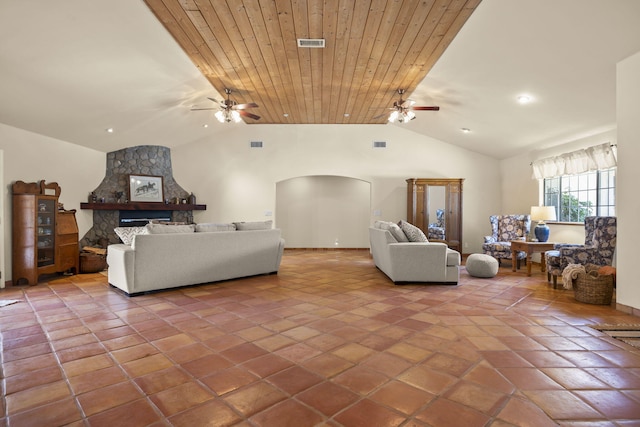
pixel 542 214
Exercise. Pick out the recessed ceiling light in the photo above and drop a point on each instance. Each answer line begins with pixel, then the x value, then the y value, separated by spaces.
pixel 286 114
pixel 109 130
pixel 205 125
pixel 465 130
pixel 524 99
pixel 347 114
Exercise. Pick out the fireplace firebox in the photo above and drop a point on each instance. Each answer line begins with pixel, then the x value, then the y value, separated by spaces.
pixel 140 218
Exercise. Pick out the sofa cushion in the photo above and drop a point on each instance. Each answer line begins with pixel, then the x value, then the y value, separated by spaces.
pixel 213 227
pixel 126 234
pixel 166 229
pixel 254 225
pixel 413 233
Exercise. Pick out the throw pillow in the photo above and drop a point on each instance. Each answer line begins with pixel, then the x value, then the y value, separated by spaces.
pixel 254 225
pixel 397 232
pixel 393 228
pixel 212 227
pixel 382 225
pixel 126 234
pixel 413 233
pixel 166 229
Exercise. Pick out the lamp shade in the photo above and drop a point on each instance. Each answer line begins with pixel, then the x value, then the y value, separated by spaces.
pixel 543 213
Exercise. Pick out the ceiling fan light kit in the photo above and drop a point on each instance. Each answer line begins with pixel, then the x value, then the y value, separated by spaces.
pixel 225 116
pixel 402 110
pixel 231 111
pixel 401 117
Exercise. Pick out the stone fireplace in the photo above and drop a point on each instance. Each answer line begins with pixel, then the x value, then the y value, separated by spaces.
pixel 107 211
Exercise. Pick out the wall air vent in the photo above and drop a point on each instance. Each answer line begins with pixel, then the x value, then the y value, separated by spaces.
pixel 256 144
pixel 379 144
pixel 310 42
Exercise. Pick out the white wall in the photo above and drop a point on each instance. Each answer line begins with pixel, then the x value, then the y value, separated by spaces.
pixel 628 206
pixel 238 183
pixel 324 212
pixel 31 157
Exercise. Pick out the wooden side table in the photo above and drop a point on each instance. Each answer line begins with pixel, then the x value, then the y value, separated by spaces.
pixel 530 248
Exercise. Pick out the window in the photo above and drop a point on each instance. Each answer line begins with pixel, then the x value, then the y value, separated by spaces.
pixel 578 196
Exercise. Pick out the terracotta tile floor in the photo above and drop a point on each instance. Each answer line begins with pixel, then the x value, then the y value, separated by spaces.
pixel 328 341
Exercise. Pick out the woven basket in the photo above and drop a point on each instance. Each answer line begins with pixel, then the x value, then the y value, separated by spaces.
pixel 92 263
pixel 592 288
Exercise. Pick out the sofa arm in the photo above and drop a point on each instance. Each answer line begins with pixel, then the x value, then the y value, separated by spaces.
pixel 120 259
pixel 490 239
pixel 418 261
pixel 579 255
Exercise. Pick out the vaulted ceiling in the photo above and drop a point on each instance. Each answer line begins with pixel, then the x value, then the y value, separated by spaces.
pixel 372 49
pixel 69 69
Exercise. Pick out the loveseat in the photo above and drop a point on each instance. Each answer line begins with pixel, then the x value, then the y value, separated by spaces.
pixel 413 261
pixel 165 259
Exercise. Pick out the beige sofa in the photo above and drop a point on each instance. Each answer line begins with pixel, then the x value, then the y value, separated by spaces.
pixel 413 261
pixel 162 261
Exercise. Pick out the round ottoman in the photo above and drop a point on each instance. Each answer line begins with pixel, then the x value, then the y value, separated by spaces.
pixel 481 265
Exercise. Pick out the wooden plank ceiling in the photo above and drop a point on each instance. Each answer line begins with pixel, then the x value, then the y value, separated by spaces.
pixel 373 48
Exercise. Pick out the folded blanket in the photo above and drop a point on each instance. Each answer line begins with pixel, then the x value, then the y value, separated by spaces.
pixel 570 273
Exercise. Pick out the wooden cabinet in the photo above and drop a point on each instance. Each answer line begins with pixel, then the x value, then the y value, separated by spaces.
pixel 45 239
pixel 67 249
pixel 425 196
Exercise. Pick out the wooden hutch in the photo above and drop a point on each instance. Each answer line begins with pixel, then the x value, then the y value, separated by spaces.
pixel 45 237
pixel 425 196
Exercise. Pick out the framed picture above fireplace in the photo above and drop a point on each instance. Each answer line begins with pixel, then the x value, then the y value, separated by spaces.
pixel 145 188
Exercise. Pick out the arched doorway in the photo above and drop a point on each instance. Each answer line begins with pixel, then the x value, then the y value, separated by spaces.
pixel 324 211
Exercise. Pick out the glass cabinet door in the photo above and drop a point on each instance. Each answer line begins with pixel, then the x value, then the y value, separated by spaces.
pixel 45 229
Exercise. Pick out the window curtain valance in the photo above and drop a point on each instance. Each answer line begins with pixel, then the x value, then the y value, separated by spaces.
pixel 601 156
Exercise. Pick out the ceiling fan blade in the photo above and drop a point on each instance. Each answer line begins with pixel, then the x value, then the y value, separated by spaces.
pixel 214 100
pixel 199 109
pixel 244 106
pixel 407 103
pixel 379 116
pixel 248 114
pixel 426 108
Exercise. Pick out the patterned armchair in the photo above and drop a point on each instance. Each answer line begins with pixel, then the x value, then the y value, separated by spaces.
pixel 436 229
pixel 599 246
pixel 506 228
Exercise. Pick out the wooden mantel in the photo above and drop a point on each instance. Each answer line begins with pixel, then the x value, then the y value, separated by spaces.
pixel 143 206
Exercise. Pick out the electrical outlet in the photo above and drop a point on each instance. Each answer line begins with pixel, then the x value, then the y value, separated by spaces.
pixel 268 213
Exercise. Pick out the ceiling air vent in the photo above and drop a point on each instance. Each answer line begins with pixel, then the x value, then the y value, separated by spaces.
pixel 256 144
pixel 379 144
pixel 310 42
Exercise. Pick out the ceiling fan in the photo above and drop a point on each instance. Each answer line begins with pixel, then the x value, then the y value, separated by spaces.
pixel 402 110
pixel 231 111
